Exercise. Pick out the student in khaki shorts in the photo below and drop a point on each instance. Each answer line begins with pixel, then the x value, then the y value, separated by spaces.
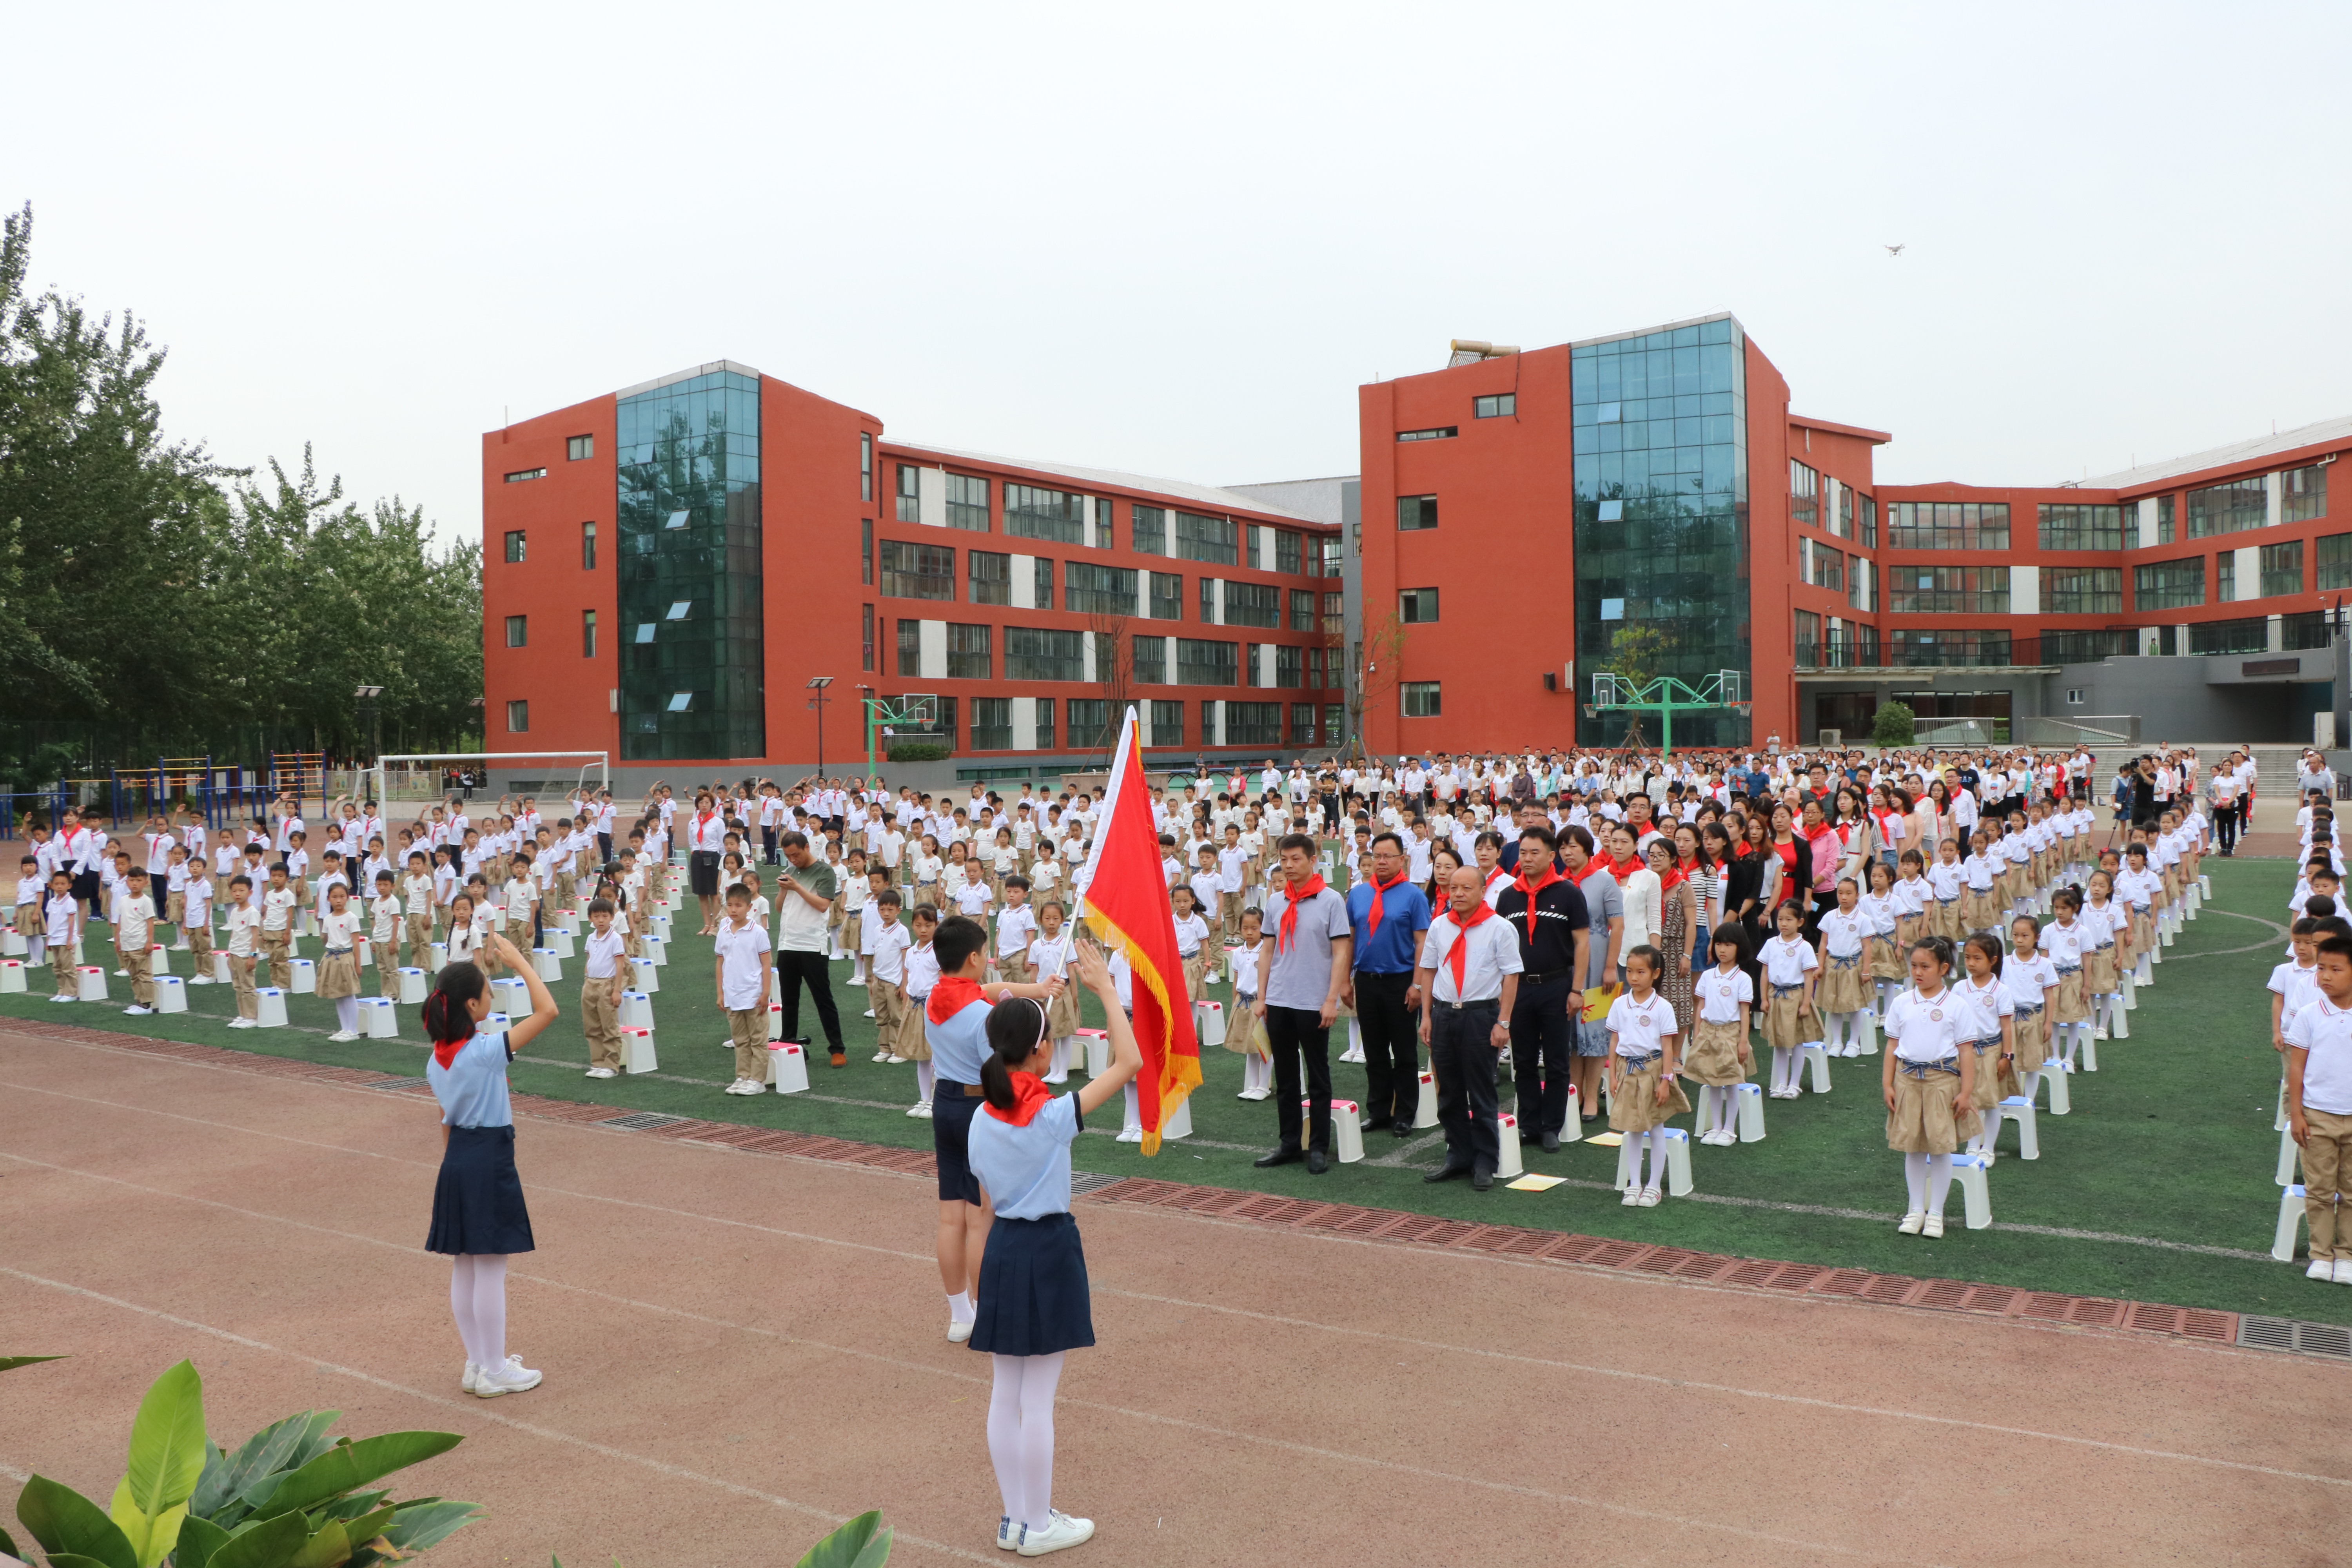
pixel 600 991
pixel 886 984
pixel 244 949
pixel 2319 1109
pixel 521 900
pixel 383 935
pixel 62 917
pixel 196 926
pixel 741 948
pixel 277 902
pixel 417 886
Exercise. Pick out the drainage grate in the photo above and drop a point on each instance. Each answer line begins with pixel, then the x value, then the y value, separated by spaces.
pixel 2266 1333
pixel 411 1084
pixel 642 1121
pixel 1082 1182
pixel 2323 1339
pixel 2287 1334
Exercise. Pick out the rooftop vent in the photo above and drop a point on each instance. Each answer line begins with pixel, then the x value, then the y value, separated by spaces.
pixel 1470 350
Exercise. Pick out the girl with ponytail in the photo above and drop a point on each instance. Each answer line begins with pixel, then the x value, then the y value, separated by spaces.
pixel 1034 1303
pixel 477 1208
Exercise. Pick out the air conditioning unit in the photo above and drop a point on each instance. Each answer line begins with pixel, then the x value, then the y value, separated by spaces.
pixel 1833 738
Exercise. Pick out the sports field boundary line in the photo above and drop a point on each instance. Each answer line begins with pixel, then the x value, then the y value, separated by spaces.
pixel 1384 1227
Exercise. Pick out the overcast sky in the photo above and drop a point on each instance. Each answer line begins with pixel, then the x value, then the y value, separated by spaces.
pixel 1174 239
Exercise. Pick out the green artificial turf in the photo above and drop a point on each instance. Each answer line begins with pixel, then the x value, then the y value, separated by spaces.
pixel 2171 1141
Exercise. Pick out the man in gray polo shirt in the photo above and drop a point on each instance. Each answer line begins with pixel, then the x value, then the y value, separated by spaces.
pixel 1304 959
pixel 804 894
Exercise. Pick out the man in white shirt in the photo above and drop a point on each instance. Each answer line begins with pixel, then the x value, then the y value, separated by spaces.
pixel 1468 976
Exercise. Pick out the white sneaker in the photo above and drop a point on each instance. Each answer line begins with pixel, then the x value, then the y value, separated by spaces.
pixel 1650 1196
pixel 895 1060
pixel 599 1072
pixel 869 1012
pixel 65 998
pixel 745 1086
pixel 120 974
pixel 201 980
pixel 341 1035
pixel 1912 1223
pixel 2344 1271
pixel 511 1378
pixel 1632 1199
pixel 2321 1269
pixel 1060 1531
pixel 1008 1534
pixel 881 1055
pixel 1933 1226
pixel 958 1332
pixel 1131 1135
pixel 920 1111
pixel 472 1372
pixel 233 1023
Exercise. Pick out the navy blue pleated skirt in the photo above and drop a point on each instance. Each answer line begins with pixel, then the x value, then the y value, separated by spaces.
pixel 1034 1299
pixel 477 1201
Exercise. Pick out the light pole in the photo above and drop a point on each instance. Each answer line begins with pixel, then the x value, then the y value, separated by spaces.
pixel 817 683
pixel 371 725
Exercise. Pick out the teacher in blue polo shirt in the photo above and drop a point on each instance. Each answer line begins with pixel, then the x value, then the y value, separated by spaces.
pixel 1388 916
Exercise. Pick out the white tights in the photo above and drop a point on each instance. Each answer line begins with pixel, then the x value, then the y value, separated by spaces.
pixel 1657 1140
pixel 477 1300
pixel 1929 1177
pixel 347 1014
pixel 1716 1108
pixel 1021 1435
pixel 924 1079
pixel 1257 1071
pixel 2070 1042
pixel 1785 1066
pixel 1842 1033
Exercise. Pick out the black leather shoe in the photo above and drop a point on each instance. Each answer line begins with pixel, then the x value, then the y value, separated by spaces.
pixel 1482 1178
pixel 1551 1142
pixel 1403 1129
pixel 1377 1123
pixel 1447 1173
pixel 1316 1163
pixel 1286 1155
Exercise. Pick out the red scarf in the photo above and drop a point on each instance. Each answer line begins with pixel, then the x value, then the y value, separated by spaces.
pixel 1551 875
pixel 1379 887
pixel 446 1051
pixel 951 995
pixel 1029 1097
pixel 1457 957
pixel 1673 877
pixel 1593 866
pixel 1293 893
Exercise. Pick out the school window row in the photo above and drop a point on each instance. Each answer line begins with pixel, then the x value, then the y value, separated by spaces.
pixel 942 497
pixel 1089 724
pixel 518 546
pixel 955 650
pixel 902 569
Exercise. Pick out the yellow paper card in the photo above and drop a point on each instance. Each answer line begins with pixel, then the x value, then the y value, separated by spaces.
pixel 1606 1140
pixel 1535 1183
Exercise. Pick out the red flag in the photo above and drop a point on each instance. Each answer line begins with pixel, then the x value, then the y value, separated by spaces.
pixel 1123 899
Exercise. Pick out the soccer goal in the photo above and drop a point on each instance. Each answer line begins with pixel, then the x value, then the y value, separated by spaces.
pixel 425 776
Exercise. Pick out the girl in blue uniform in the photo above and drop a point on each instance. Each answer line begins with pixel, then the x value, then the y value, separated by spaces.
pixel 1033 1305
pixel 477 1207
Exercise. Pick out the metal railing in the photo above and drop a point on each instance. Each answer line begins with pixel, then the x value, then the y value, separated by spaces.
pixel 1894 653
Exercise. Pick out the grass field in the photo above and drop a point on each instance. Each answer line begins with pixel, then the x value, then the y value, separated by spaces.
pixel 2158 1188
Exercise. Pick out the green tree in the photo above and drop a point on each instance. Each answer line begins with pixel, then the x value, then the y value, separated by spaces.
pixel 1892 725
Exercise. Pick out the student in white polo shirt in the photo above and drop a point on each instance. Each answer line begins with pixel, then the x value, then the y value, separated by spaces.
pixel 1468 975
pixel 2319 1107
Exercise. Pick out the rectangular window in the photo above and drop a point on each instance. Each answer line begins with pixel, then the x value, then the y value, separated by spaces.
pixel 518 717
pixel 1335 615
pixel 1105 517
pixel 2087 647
pixel 1253 605
pixel 1034 514
pixel 1501 406
pixel 866 553
pixel 1090 590
pixel 2083 590
pixel 2304 494
pixel 2169 584
pixel 1148 527
pixel 1040 577
pixel 1948 590
pixel 911 493
pixel 1870 522
pixel 864 466
pixel 2305 629
pixel 2282 569
pixel 991 577
pixel 514 545
pixel 866 639
pixel 518 631
pixel 910 649
pixel 1166 597
pixel 1151 661
pixel 1966 650
pixel 1090 723
pixel 1208 601
pixel 1947 525
pixel 2251 635
pixel 1302 723
pixel 992 723
pixel 969 652
pixel 1252 723
pixel 1857 572
pixel 1827 568
pixel 1254 547
pixel 2069 527
pixel 917 571
pixel 587 633
pixel 1315 667
pixel 1842 525
pixel 1302 609
pixel 1441 434
pixel 1166 723
pixel 1202 663
pixel 1804 493
pixel 1044 722
pixel 967 502
pixel 578 446
pixel 523 476
pixel 1335 722
pixel 587 547
pixel 2233 508
pixel 1422 700
pixel 1809 638
pixel 2334 564
pixel 1214 539
pixel 1289 667
pixel 1208 723
pixel 2225 578
pixel 1286 550
pixel 2164 519
pixel 1416 512
pixel 1031 653
pixel 1417 606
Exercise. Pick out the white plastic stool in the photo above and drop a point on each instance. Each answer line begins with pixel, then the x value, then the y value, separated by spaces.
pixel 1178 1123
pixel 653 949
pixel 510 994
pixel 1097 1051
pixel 1747 1102
pixel 1346 1129
pixel 2290 1215
pixel 220 969
pixel 412 985
pixel 2091 1052
pixel 563 920
pixel 637 1010
pixel 12 944
pixel 440 951
pixel 775 1020
pixel 270 1008
pixel 308 924
pixel 1573 1133
pixel 1209 1023
pixel 91 982
pixel 2278 1117
pixel 647 978
pixel 2131 995
pixel 12 974
pixel 2053 1077
pixel 1976 1193
pixel 2287 1151
pixel 1678 1167
pixel 559 941
pixel 1865 1029
pixel 366 952
pixel 1507 1164
pixel 306 976
pixel 2018 1112
pixel 379 1020
pixel 549 967
pixel 159 959
pixel 1425 1105
pixel 787 1065
pixel 658 927
pixel 171 993
pixel 638 1051
pixel 1817 1057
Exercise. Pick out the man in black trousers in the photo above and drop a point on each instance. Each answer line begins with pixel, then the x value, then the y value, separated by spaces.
pixel 1388 915
pixel 1548 913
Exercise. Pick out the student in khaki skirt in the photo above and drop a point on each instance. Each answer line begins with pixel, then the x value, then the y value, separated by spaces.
pixel 1245 1030
pixel 2032 982
pixel 1928 1083
pixel 1643 1095
pixel 1050 956
pixel 1192 939
pixel 339 964
pixel 1945 883
pixel 1882 963
pixel 1989 1034
pixel 2102 920
pixel 1789 965
pixel 2070 1009
pixel 1719 1060
pixel 923 970
pixel 1843 994
pixel 1979 893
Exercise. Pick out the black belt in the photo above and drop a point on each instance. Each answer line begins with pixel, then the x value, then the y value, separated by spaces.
pixel 1493 1002
pixel 1544 977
